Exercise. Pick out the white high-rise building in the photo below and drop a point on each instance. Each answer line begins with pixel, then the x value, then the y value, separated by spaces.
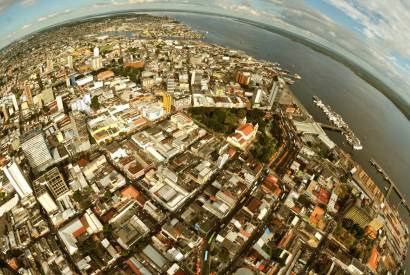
pixel 35 148
pixel 60 105
pixel 70 61
pixel 274 91
pixel 17 179
pixel 96 52
pixel 15 103
pixel 50 65
pixel 96 63
pixel 257 98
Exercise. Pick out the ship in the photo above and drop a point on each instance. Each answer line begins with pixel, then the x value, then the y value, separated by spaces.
pixel 336 120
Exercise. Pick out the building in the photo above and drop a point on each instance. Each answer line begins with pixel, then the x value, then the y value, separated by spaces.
pixel 44 198
pixel 5 113
pixel 28 95
pixel 182 101
pixel 70 62
pixel 47 95
pixel 96 52
pixel 360 215
pixel 243 78
pixel 60 104
pixel 17 179
pixel 166 102
pixel 15 103
pixel 273 95
pixel 96 63
pixel 105 75
pixel 170 85
pixel 257 98
pixel 49 66
pixel 54 181
pixel 35 148
pixel 79 125
pixel 243 136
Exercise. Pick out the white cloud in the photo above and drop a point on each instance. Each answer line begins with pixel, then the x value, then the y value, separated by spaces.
pixel 383 22
pixel 26 26
pixel 28 2
pixel 4 4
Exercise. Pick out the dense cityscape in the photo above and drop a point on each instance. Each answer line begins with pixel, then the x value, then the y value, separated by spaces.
pixel 131 146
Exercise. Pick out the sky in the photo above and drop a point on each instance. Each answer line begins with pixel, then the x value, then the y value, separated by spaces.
pixel 373 33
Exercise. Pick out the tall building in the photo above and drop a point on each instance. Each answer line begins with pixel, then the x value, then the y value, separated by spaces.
pixel 60 104
pixel 54 182
pixel 96 52
pixel 167 102
pixel 28 94
pixel 361 215
pixel 257 97
pixel 17 179
pixel 171 85
pixel 70 61
pixel 44 198
pixel 243 78
pixel 50 65
pixel 15 103
pixel 47 95
pixel 79 124
pixel 274 91
pixel 5 112
pixel 35 148
pixel 96 62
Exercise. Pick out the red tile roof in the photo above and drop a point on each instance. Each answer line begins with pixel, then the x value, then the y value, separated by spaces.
pixel 246 129
pixel 316 215
pixel 373 260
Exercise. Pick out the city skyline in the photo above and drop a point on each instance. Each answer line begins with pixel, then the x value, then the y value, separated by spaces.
pixel 137 143
pixel 372 35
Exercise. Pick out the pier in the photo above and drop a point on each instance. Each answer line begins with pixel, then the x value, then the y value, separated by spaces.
pixel 338 124
pixel 330 127
pixel 392 187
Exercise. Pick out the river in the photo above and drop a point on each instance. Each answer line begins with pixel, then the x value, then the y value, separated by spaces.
pixel 382 128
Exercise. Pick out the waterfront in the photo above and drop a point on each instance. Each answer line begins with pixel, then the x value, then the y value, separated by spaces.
pixel 382 128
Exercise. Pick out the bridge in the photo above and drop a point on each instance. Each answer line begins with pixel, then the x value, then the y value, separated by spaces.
pixel 330 127
pixel 402 200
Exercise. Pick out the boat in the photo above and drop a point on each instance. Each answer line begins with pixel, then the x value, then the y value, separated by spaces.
pixel 336 120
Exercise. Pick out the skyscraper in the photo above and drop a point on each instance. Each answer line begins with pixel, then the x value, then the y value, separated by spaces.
pixel 50 65
pixel 15 104
pixel 79 124
pixel 60 104
pixel 17 179
pixel 5 112
pixel 166 102
pixel 70 61
pixel 274 91
pixel 28 94
pixel 257 98
pixel 35 148
pixel 96 62
pixel 54 181
pixel 96 52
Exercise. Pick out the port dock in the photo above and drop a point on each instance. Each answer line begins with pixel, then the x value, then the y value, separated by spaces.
pixel 338 124
pixel 392 187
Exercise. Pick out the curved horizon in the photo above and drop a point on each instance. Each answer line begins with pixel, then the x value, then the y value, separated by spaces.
pixel 361 69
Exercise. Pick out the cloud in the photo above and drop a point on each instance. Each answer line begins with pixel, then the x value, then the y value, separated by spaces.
pixel 28 2
pixel 4 4
pixel 26 26
pixel 383 22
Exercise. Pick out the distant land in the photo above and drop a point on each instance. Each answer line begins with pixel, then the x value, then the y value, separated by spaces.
pixel 359 70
